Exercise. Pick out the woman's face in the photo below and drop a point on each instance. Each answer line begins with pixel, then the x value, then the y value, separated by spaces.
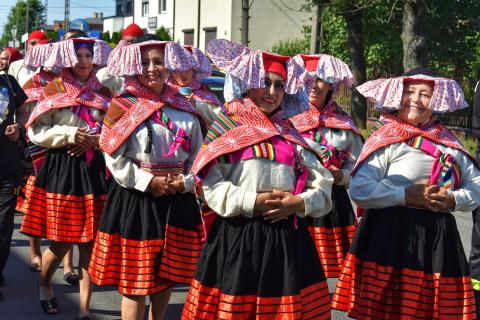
pixel 84 66
pixel 183 79
pixel 4 60
pixel 415 100
pixel 154 71
pixel 268 99
pixel 319 93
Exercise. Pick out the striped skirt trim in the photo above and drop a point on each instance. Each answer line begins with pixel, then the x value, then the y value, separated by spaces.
pixel 144 267
pixel 313 302
pixel 332 246
pixel 22 199
pixel 60 217
pixel 368 290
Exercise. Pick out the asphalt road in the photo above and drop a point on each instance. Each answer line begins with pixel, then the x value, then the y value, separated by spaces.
pixel 21 298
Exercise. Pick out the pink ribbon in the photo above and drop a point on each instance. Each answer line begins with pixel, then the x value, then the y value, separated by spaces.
pixel 181 140
pixel 94 129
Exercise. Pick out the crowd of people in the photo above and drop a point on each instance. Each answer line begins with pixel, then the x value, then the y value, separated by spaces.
pixel 128 155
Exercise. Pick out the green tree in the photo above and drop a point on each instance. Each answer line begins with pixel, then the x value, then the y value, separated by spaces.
pixel 116 36
pixel 36 19
pixel 106 37
pixel 163 34
pixel 291 47
pixel 52 35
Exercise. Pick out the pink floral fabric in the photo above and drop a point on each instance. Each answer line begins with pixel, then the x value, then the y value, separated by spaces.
pixel 387 93
pixel 179 59
pixel 36 56
pixel 330 69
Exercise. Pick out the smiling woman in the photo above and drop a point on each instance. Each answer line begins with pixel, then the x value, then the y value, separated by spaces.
pixel 412 173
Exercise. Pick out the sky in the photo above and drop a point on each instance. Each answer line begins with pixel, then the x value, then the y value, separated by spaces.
pixel 56 8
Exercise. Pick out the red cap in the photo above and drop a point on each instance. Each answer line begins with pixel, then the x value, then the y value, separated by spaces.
pixel 43 41
pixel 189 48
pixel 14 54
pixel 275 63
pixel 36 35
pixel 311 62
pixel 132 30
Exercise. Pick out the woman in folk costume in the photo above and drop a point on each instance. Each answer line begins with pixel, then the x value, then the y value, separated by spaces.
pixel 338 142
pixel 150 233
pixel 68 194
pixel 261 180
pixel 407 260
pixel 189 66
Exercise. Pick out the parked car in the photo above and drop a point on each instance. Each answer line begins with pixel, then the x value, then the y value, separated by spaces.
pixel 215 83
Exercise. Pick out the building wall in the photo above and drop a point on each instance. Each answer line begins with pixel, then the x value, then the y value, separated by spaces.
pixel 186 17
pixel 164 19
pixel 270 21
pixel 116 24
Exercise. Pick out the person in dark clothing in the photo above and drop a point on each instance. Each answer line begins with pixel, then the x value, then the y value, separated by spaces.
pixel 12 118
pixel 474 260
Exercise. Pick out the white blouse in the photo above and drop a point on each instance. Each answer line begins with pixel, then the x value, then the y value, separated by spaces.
pixel 124 162
pixel 381 180
pixel 57 128
pixel 207 111
pixel 231 189
pixel 345 140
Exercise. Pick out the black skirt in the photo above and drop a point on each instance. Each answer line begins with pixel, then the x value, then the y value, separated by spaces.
pixel 250 268
pixel 66 198
pixel 333 233
pixel 146 244
pixel 406 263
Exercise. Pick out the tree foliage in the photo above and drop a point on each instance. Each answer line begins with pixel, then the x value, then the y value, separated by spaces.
pixel 163 34
pixel 116 37
pixel 291 47
pixel 106 36
pixel 36 19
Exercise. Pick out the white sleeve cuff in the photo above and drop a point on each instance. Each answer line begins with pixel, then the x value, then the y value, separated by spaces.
pixel 309 205
pixel 188 182
pixel 143 180
pixel 399 196
pixel 70 134
pixel 248 204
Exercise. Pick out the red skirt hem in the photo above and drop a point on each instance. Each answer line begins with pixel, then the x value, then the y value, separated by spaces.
pixel 369 290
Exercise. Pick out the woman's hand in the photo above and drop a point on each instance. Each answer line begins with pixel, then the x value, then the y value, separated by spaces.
pixel 160 186
pixel 176 182
pixel 76 150
pixel 336 173
pixel 260 203
pixel 424 195
pixel 285 204
pixel 82 138
pixel 13 132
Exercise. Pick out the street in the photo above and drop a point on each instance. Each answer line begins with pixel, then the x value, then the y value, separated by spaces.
pixel 21 298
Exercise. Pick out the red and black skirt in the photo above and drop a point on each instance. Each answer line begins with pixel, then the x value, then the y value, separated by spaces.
pixel 406 263
pixel 22 198
pixel 333 233
pixel 66 199
pixel 252 269
pixel 146 244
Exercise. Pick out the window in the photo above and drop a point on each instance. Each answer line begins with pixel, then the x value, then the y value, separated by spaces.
pixel 188 37
pixel 129 8
pixel 145 6
pixel 210 34
pixel 119 10
pixel 162 6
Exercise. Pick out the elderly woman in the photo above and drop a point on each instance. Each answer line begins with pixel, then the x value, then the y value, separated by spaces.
pixel 261 179
pixel 406 259
pixel 150 234
pixel 68 194
pixel 338 142
pixel 189 66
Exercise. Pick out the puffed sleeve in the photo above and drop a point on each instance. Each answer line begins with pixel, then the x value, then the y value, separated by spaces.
pixel 467 197
pixel 126 172
pixel 45 131
pixel 318 191
pixel 225 198
pixel 196 143
pixel 368 187
pixel 354 149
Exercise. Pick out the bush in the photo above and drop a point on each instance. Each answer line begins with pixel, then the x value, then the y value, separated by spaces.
pixel 116 36
pixel 163 34
pixel 106 37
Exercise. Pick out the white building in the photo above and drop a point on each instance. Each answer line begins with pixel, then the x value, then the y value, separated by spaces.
pixel 196 22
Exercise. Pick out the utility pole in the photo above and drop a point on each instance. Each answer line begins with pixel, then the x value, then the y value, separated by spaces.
pixel 46 12
pixel 26 20
pixel 245 17
pixel 67 16
pixel 317 31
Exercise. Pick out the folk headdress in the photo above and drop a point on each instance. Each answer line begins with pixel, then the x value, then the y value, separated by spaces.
pixel 62 54
pixel 327 68
pixel 387 93
pixel 246 70
pixel 181 59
